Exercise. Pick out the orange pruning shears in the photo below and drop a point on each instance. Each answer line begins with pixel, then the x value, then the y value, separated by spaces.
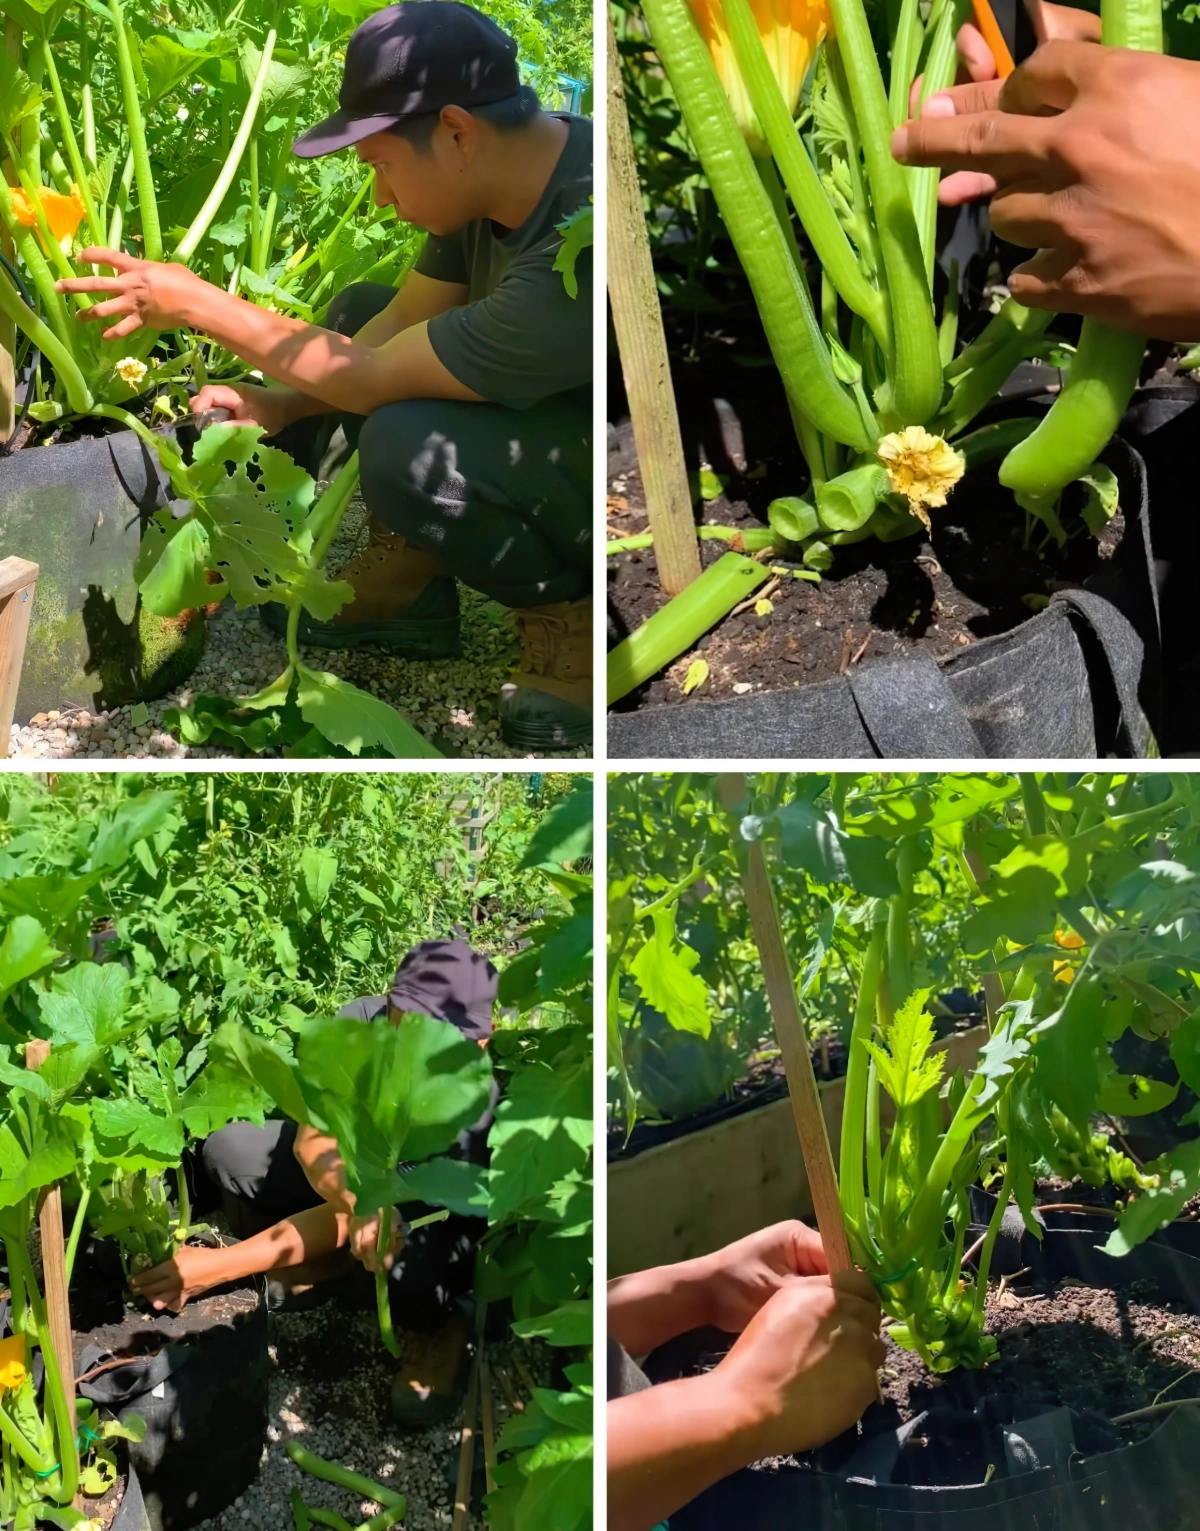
pixel 994 37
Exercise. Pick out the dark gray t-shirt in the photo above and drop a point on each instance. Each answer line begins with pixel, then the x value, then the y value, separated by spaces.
pixel 520 338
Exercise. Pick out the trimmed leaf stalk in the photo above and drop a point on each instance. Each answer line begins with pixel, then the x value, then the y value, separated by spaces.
pixel 675 627
pixel 818 218
pixel 343 1477
pixel 1104 372
pixel 753 539
pixel 915 379
pixel 793 334
pixel 142 169
pixel 200 223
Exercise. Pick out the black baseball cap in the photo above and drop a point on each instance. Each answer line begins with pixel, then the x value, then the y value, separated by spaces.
pixel 447 979
pixel 412 59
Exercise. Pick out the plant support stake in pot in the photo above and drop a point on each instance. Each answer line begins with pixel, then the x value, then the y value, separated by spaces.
pixel 793 1041
pixel 637 319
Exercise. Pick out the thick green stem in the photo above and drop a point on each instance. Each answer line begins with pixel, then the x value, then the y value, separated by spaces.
pixel 979 371
pixel 333 1472
pixel 143 171
pixel 78 169
pixel 200 223
pixel 120 203
pixel 799 173
pixel 916 376
pixel 989 1244
pixel 686 617
pixel 940 69
pixel 383 1297
pixel 76 1230
pixel 854 1110
pixel 793 334
pixel 15 308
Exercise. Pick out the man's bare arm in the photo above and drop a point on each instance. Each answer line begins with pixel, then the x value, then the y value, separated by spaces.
pixel 421 298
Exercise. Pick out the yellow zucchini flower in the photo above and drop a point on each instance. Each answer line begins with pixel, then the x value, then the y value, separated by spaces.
pixel 12 1362
pixel 791 30
pixel 131 371
pixel 64 214
pixel 921 467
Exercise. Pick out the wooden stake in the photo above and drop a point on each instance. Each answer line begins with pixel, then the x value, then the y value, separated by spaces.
pixel 793 1041
pixel 466 1458
pixel 637 319
pixel 18 579
pixel 489 1426
pixel 54 1268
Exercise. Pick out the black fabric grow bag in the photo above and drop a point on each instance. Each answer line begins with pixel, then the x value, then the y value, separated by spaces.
pixel 1046 1478
pixel 1080 680
pixel 204 1401
pixel 132 1515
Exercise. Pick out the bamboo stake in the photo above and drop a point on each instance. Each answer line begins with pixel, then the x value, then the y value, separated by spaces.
pixel 793 1040
pixel 637 319
pixel 489 1427
pixel 466 1458
pixel 54 1268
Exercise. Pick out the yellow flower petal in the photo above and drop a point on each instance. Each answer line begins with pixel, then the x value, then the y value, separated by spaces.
pixel 64 214
pixel 131 371
pixel 12 1362
pixel 921 467
pixel 791 30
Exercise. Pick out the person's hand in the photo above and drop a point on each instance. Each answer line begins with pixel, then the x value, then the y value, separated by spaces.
pixel 248 404
pixel 976 62
pixel 1089 156
pixel 364 1241
pixel 736 1281
pixel 804 1368
pixel 172 1285
pixel 158 294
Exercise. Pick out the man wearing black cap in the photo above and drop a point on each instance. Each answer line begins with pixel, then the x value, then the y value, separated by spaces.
pixel 283 1190
pixel 468 391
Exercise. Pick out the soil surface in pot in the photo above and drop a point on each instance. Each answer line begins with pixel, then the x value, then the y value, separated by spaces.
pixel 104 1510
pixel 973 577
pixel 128 1330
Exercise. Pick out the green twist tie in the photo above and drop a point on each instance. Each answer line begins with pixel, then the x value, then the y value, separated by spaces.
pixel 85 1440
pixel 899 1276
pixel 50 1471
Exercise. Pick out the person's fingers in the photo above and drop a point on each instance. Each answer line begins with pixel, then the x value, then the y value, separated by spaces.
pixel 964 186
pixel 976 55
pixel 804 1248
pixel 964 100
pixel 1027 218
pixel 1007 147
pixel 216 396
pixel 1050 79
pixel 1065 23
pixel 101 255
pixel 1049 276
pixel 126 327
pixel 90 284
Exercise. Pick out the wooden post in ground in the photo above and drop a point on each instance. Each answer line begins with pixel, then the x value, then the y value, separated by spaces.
pixel 793 1040
pixel 637 319
pixel 470 1430
pixel 54 1267
pixel 18 579
pixel 8 330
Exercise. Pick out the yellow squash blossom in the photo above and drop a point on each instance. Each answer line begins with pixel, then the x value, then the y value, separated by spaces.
pixel 921 467
pixel 131 371
pixel 791 30
pixel 12 1362
pixel 64 214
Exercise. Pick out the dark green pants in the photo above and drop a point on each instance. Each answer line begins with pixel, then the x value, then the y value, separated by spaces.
pixel 503 494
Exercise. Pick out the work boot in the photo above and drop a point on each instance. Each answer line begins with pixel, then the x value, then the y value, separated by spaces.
pixel 548 703
pixel 430 1386
pixel 404 599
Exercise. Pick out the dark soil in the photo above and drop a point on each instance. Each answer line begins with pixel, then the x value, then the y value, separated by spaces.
pixel 972 578
pixel 138 1332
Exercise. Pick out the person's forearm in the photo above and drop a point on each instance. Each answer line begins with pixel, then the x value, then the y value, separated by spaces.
pixel 297 1240
pixel 669 1443
pixel 320 1158
pixel 335 370
pixel 651 1307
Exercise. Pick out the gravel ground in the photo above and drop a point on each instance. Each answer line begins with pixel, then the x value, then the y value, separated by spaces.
pixel 453 701
pixel 329 1385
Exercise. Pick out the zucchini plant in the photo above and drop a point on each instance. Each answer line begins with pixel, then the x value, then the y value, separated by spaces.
pixel 1065 896
pixel 387 1094
pixel 880 394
